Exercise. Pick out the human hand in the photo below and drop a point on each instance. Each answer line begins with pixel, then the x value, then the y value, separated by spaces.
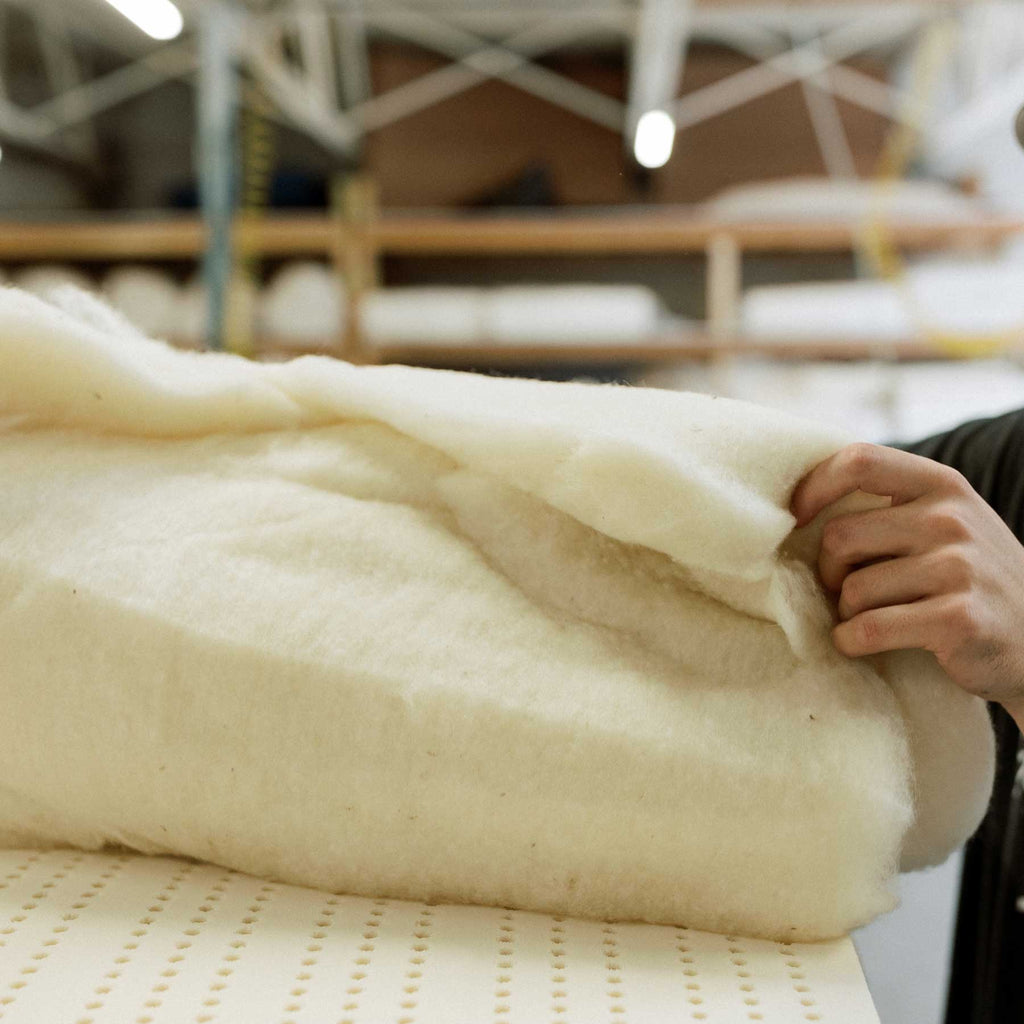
pixel 937 569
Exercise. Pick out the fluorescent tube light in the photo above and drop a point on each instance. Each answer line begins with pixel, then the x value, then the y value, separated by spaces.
pixel 157 18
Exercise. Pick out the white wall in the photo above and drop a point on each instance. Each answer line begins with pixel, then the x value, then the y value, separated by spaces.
pixel 906 954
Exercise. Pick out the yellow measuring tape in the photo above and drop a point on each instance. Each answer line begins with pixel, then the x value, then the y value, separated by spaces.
pixel 876 245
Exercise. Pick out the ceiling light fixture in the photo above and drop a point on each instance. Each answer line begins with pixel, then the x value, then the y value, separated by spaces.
pixel 157 18
pixel 655 135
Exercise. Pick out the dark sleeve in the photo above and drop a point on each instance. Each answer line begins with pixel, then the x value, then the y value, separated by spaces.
pixel 987 977
pixel 990 453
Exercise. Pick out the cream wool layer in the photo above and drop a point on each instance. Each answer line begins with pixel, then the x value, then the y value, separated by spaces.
pixel 439 636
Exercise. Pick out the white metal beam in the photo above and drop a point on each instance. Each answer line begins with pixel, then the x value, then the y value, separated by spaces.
pixel 475 59
pixel 867 92
pixel 317 57
pixel 353 54
pixel 175 60
pixel 836 46
pixel 289 89
pixel 329 95
pixel 761 44
pixel 994 105
pixel 29 129
pixel 656 57
pixel 824 113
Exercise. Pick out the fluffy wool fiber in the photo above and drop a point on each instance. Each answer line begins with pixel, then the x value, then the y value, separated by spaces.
pixel 439 636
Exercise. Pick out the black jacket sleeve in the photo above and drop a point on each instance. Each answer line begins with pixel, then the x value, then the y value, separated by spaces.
pixel 990 453
pixel 987 980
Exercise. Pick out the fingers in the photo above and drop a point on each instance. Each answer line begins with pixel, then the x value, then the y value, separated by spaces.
pixel 873 469
pixel 934 524
pixel 850 540
pixel 935 624
pixel 899 581
pixel 908 574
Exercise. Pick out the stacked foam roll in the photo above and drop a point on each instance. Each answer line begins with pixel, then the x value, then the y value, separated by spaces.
pixel 828 199
pixel 148 298
pixel 956 297
pixel 46 278
pixel 513 315
pixel 303 305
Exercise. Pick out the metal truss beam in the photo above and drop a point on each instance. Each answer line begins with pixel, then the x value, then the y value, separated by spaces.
pixel 656 58
pixel 825 117
pixel 326 90
pixel 808 60
pixel 62 126
pixel 86 100
pixel 475 59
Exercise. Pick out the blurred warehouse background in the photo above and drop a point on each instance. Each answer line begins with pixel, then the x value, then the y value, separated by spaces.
pixel 817 206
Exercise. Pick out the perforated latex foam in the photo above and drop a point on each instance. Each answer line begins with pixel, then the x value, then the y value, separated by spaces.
pixel 425 635
pixel 123 939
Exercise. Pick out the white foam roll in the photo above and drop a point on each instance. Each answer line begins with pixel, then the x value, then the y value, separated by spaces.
pixel 961 297
pixel 147 297
pixel 969 296
pixel 449 637
pixel 847 310
pixel 442 315
pixel 589 313
pixel 811 199
pixel 305 304
pixel 43 279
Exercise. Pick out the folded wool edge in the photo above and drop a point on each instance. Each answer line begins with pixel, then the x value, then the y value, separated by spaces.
pixel 698 482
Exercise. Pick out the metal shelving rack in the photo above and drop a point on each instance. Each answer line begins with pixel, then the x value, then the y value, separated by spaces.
pixel 311 62
pixel 357 238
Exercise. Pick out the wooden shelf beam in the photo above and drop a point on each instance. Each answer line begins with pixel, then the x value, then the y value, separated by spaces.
pixel 357 241
pixel 408 234
pixel 672 349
